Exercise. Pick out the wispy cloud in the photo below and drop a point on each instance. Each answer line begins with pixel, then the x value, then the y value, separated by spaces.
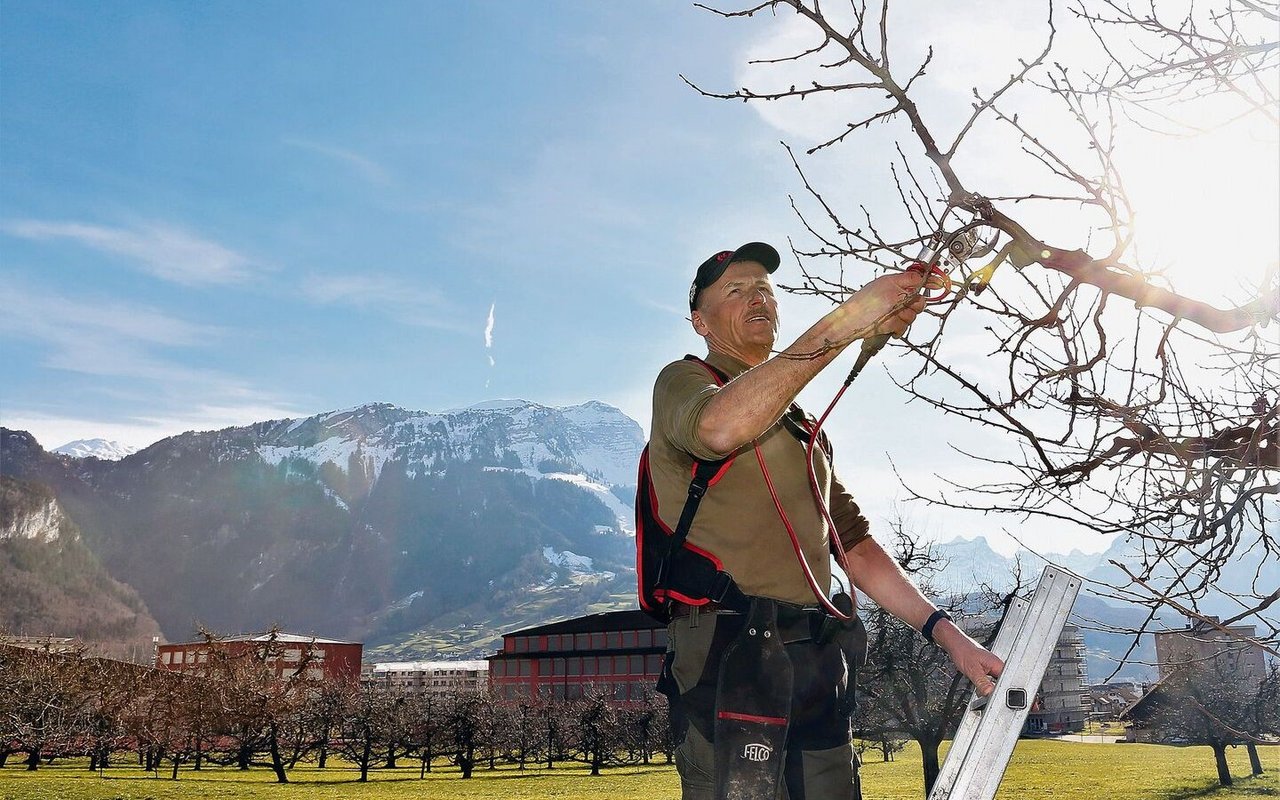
pixel 165 251
pixel 148 348
pixel 102 338
pixel 54 430
pixel 389 295
pixel 363 166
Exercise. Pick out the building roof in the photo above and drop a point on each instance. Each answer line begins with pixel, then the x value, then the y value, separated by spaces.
pixel 287 638
pixel 633 619
pixel 428 666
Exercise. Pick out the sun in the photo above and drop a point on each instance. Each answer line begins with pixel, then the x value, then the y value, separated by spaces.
pixel 1208 208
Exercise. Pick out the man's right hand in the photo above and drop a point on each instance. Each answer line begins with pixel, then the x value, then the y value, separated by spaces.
pixel 888 304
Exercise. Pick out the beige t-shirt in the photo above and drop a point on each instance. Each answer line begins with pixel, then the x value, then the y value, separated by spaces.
pixel 737 521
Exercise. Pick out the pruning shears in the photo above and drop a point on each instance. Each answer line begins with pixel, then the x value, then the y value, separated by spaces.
pixel 939 255
pixel 944 252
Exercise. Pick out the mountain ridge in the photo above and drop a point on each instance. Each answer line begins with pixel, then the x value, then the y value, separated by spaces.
pixel 363 522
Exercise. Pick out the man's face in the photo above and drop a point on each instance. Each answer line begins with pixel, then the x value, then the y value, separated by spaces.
pixel 738 314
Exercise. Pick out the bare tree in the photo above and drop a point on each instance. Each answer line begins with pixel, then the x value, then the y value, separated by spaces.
pixel 1157 418
pixel 262 694
pixel 44 701
pixel 424 727
pixel 1206 703
pixel 362 731
pixel 464 723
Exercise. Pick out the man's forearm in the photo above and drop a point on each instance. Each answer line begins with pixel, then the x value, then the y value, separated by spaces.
pixel 751 403
pixel 748 405
pixel 879 577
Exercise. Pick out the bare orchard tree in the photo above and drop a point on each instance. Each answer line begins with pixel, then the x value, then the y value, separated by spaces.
pixel 425 727
pixel 464 724
pixel 44 701
pixel 172 722
pixel 262 689
pixel 1132 408
pixel 1206 702
pixel 362 730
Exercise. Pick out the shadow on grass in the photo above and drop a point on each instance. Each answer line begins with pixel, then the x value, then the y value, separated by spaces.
pixel 1239 786
pixel 327 778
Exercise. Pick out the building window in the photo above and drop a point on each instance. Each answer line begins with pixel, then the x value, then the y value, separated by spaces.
pixel 582 641
pixel 574 666
pixel 558 667
pixel 522 644
pixel 628 639
pixel 637 665
pixel 614 639
pixel 597 641
pixel 660 637
pixel 644 638
pixel 166 658
pixel 606 665
pixel 526 668
pixel 589 665
pixel 619 665
pixel 653 664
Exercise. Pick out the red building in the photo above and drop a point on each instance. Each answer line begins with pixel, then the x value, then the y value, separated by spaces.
pixel 325 659
pixel 619 653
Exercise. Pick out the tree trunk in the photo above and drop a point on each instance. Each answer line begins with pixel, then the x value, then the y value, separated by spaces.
pixel 33 759
pixel 929 752
pixel 1254 763
pixel 1220 758
pixel 277 763
pixel 242 757
pixel 324 747
pixel 4 756
pixel 174 775
pixel 366 755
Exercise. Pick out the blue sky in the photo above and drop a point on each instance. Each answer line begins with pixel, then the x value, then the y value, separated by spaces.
pixel 214 214
pixel 247 207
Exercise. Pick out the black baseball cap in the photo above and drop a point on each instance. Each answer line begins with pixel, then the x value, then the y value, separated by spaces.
pixel 714 267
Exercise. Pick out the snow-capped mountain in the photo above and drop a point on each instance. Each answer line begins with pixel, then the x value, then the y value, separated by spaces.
pixel 372 522
pixel 592 445
pixel 96 448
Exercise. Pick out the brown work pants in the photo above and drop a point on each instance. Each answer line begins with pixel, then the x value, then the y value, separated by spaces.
pixel 821 763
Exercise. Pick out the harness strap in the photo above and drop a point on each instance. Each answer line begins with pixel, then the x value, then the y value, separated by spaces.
pixel 696 578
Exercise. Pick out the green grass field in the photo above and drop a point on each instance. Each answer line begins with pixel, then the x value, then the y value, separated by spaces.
pixel 1040 769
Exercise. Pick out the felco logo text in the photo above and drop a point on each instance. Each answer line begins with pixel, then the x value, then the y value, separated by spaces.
pixel 757 752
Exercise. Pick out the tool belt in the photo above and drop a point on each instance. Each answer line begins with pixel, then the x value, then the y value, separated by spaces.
pixel 798 624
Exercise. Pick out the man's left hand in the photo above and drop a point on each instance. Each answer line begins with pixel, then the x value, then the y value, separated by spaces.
pixel 978 664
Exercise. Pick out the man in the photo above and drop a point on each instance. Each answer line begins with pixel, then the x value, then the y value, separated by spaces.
pixel 739 523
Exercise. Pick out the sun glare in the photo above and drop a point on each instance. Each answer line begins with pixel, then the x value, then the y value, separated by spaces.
pixel 1207 209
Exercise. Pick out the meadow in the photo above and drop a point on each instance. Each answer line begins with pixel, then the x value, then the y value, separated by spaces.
pixel 1040 769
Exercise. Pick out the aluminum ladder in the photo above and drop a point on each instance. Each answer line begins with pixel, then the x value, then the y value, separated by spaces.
pixel 976 762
